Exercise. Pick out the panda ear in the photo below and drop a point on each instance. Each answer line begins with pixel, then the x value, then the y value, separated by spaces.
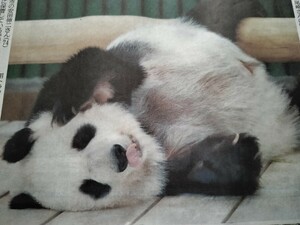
pixel 83 136
pixel 18 146
pixel 94 189
pixel 24 201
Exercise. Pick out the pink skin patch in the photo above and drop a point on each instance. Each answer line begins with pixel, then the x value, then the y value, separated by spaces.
pixel 134 155
pixel 102 93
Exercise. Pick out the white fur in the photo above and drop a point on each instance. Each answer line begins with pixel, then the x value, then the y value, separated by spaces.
pixel 5 176
pixel 53 171
pixel 214 85
pixel 43 125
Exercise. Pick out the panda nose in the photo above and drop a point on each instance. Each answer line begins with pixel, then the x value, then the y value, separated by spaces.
pixel 119 154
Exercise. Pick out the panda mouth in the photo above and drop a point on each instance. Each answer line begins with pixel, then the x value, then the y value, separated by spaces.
pixel 134 153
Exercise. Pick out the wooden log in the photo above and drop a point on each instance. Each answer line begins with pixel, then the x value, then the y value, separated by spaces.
pixel 54 41
pixel 269 39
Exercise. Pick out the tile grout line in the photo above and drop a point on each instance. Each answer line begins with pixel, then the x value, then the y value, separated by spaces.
pixel 3 195
pixel 265 167
pixel 234 208
pixel 145 211
pixel 52 217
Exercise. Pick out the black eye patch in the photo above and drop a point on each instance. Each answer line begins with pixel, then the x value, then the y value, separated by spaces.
pixel 83 136
pixel 94 189
pixel 18 146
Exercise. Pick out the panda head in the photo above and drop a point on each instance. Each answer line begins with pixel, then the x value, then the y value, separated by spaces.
pixel 101 158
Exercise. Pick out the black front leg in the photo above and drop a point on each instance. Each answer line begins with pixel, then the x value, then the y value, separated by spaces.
pixel 91 75
pixel 219 165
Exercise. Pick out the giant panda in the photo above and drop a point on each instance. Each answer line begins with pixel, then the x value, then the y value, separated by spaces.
pixel 210 111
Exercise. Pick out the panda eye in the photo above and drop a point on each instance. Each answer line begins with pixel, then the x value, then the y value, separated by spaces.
pixel 83 136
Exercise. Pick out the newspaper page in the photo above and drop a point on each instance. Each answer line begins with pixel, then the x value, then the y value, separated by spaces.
pixel 296 7
pixel 149 112
pixel 7 18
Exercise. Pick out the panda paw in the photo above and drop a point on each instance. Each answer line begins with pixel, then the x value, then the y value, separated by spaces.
pixel 245 155
pixel 18 146
pixel 235 167
pixel 62 113
pixel 219 165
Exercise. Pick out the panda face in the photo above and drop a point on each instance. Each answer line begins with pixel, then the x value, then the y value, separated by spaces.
pixel 101 158
pixel 128 162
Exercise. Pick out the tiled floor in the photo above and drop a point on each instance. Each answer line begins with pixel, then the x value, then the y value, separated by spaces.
pixel 276 202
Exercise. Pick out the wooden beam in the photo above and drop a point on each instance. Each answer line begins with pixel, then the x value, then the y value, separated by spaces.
pixel 54 41
pixel 269 39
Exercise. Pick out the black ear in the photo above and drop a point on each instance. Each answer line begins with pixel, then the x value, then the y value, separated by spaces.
pixel 18 146
pixel 83 136
pixel 94 189
pixel 24 201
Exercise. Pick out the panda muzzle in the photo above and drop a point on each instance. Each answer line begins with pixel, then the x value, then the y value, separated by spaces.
pixel 130 156
pixel 134 155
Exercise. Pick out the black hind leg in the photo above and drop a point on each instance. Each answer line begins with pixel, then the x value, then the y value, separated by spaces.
pixel 219 165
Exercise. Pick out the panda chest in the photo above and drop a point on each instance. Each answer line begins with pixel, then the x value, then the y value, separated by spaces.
pixel 157 111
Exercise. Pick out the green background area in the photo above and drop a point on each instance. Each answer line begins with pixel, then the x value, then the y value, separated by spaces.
pixel 58 9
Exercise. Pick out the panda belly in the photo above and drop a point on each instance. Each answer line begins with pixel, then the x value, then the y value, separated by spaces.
pixel 208 86
pixel 205 104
